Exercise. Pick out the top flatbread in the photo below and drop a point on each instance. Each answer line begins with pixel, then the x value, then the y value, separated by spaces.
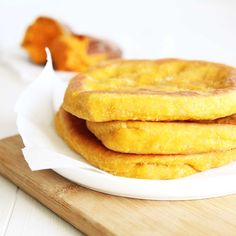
pixel 169 89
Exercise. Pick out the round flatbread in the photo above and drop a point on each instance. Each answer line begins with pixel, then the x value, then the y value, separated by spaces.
pixel 169 89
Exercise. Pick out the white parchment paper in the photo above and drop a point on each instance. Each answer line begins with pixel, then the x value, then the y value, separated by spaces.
pixel 35 124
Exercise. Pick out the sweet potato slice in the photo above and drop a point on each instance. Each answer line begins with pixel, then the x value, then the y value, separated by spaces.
pixel 79 52
pixel 70 51
pixel 39 35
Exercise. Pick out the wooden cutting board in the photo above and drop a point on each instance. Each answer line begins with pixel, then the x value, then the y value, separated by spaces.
pixel 100 214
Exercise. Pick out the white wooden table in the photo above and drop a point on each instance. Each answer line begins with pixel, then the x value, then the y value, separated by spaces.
pixel 19 213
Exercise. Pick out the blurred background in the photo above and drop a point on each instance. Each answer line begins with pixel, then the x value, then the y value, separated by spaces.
pixel 199 29
pixel 190 29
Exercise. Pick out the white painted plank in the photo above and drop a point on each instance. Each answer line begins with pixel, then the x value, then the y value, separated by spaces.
pixel 11 86
pixel 7 200
pixel 31 218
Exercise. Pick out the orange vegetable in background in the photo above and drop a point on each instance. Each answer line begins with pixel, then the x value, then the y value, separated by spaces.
pixel 78 52
pixel 70 51
pixel 39 35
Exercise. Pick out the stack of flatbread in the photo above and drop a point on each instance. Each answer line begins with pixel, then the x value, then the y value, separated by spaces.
pixel 149 119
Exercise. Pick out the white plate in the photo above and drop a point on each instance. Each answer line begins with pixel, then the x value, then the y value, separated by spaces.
pixel 36 110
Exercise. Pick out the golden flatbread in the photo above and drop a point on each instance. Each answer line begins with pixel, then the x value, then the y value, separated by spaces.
pixel 169 89
pixel 143 137
pixel 75 133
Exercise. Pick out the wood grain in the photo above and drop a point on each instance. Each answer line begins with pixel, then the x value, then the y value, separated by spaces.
pixel 101 214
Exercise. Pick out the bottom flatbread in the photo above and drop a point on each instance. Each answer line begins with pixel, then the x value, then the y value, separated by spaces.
pixel 75 133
